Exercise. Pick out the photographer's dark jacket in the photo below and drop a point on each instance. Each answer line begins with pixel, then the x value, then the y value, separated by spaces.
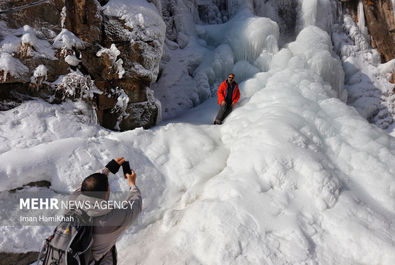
pixel 109 224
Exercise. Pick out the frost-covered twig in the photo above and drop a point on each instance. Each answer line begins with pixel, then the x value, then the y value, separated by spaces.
pixel 76 85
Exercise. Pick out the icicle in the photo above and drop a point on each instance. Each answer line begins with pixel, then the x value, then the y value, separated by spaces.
pixel 63 17
pixel 309 12
pixel 361 19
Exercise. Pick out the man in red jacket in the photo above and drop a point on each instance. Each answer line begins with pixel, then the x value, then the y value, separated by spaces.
pixel 228 95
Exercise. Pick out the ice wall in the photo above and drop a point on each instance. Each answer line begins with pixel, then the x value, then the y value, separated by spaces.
pixel 321 13
pixel 242 38
pixel 239 43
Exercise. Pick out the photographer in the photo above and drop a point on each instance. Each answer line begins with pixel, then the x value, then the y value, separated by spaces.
pixel 108 224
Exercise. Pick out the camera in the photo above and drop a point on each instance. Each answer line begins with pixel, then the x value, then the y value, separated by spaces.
pixel 126 168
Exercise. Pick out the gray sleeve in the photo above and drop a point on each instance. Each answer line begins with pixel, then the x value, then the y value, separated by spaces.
pixel 134 209
pixel 120 219
pixel 109 228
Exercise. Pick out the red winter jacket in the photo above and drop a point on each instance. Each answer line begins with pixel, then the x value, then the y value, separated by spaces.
pixel 222 93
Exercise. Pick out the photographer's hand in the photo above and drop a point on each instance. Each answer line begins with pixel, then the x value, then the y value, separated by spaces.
pixel 120 160
pixel 131 178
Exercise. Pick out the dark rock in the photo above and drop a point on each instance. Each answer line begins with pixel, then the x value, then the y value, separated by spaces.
pixel 142 114
pixel 41 183
pixel 82 19
pixel 7 258
pixel 42 16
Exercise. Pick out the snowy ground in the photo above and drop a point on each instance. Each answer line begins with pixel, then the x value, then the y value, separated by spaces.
pixel 294 176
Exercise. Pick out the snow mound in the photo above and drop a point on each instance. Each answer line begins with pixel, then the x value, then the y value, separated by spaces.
pixel 12 66
pixel 41 48
pixel 67 40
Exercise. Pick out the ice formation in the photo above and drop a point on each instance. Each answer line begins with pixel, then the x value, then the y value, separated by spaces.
pixel 361 19
pixel 366 80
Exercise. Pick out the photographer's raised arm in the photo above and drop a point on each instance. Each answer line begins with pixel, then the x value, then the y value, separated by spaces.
pixel 112 166
pixel 109 227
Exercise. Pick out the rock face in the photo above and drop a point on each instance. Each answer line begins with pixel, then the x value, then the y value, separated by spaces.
pixel 381 24
pixel 101 51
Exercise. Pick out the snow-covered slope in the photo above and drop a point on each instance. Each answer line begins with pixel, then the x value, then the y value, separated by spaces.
pixel 294 176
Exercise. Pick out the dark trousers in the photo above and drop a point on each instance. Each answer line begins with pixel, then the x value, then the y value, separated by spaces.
pixel 224 111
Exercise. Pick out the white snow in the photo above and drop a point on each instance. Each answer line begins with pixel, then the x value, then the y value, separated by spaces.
pixel 41 70
pixel 387 68
pixel 67 40
pixel 13 41
pixel 72 60
pixel 11 65
pixel 293 176
pixel 113 53
pixel 42 48
pixel 39 73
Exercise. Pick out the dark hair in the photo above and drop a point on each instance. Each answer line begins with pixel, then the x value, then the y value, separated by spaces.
pixel 95 185
pixel 232 74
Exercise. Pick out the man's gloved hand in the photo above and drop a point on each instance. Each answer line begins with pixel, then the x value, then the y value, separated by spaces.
pixel 115 164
